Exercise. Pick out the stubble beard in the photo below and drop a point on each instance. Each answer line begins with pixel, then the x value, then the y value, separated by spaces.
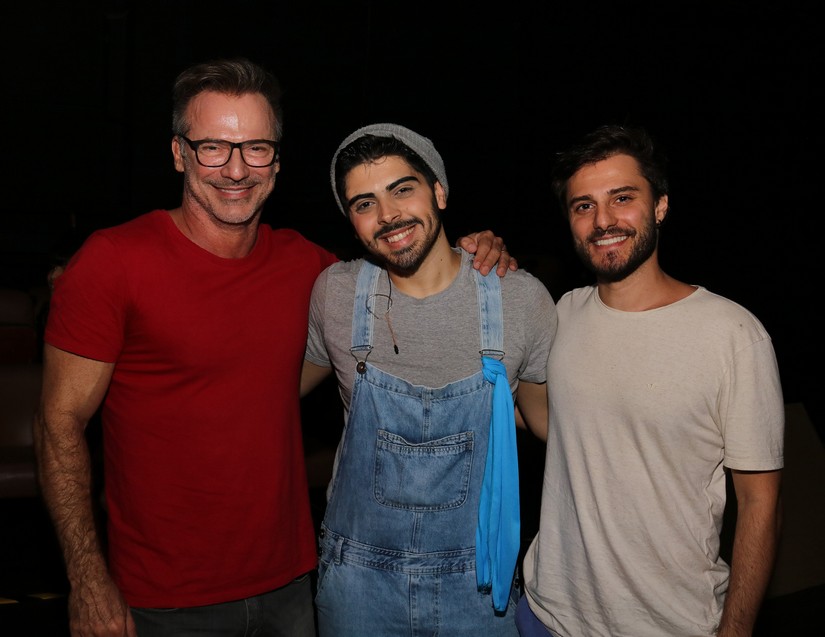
pixel 407 260
pixel 228 212
pixel 611 268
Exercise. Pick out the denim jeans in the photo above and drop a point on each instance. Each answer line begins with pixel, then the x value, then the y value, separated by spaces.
pixel 284 612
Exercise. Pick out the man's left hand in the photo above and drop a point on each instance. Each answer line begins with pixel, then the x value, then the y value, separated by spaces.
pixel 489 251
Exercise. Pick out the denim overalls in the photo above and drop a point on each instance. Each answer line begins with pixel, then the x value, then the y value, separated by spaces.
pixel 397 544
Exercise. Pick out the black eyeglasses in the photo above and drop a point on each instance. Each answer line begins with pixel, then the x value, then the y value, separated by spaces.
pixel 213 153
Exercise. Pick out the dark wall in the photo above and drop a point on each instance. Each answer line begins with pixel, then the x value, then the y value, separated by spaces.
pixel 728 87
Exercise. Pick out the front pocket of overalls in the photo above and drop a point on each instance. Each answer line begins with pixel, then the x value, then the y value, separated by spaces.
pixel 426 476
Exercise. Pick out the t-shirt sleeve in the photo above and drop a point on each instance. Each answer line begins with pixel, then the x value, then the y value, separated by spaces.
pixel 88 304
pixel 316 351
pixel 752 410
pixel 541 322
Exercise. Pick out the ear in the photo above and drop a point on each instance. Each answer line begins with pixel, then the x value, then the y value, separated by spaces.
pixel 440 196
pixel 177 153
pixel 277 165
pixel 661 210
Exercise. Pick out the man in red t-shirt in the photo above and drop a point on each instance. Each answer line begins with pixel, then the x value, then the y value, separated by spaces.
pixel 188 327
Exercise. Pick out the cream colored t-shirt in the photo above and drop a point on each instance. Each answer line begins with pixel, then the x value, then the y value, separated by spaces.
pixel 646 408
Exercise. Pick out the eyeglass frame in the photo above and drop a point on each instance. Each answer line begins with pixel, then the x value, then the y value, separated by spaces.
pixel 194 145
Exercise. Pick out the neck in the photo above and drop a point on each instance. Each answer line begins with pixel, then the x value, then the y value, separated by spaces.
pixel 648 288
pixel 435 274
pixel 228 241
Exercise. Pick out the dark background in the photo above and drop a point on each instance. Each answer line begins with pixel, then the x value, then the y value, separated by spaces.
pixel 730 88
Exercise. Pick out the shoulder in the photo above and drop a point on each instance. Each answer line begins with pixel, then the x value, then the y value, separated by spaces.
pixel 521 279
pixel 723 311
pixel 142 226
pixel 521 285
pixel 135 236
pixel 339 275
pixel 345 269
pixel 577 298
pixel 517 283
pixel 286 237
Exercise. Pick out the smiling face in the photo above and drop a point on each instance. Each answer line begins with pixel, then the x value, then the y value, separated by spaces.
pixel 613 217
pixel 232 194
pixel 394 212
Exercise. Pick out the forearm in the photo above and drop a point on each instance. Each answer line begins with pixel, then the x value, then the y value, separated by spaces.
pixel 64 470
pixel 73 390
pixel 532 409
pixel 311 376
pixel 754 552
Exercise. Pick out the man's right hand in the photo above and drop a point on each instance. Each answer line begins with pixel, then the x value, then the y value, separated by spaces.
pixel 97 609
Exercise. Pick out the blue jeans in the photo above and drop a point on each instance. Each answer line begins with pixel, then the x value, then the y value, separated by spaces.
pixel 284 612
pixel 528 624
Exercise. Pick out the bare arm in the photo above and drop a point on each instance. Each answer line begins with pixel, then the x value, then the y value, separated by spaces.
pixel 755 540
pixel 311 376
pixel 73 389
pixel 489 250
pixel 531 407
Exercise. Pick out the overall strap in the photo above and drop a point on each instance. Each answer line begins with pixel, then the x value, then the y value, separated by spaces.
pixel 362 318
pixel 490 314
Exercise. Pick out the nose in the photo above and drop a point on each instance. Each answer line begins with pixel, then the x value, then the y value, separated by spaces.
pixel 387 212
pixel 236 167
pixel 603 217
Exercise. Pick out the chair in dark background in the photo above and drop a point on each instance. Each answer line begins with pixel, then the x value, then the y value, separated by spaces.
pixel 20 379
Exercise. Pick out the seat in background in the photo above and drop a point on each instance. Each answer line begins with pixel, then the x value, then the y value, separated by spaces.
pixel 18 328
pixel 20 382
pixel 19 394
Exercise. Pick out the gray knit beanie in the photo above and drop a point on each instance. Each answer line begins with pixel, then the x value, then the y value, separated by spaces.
pixel 422 146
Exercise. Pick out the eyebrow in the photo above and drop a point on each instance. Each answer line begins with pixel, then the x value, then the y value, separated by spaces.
pixel 612 191
pixel 390 186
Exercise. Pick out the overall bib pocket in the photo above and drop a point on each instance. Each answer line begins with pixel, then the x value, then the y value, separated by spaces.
pixel 427 476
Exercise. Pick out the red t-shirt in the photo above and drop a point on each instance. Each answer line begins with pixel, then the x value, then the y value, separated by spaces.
pixel 203 459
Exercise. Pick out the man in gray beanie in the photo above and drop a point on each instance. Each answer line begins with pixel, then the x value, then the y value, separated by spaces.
pixel 421 146
pixel 421 530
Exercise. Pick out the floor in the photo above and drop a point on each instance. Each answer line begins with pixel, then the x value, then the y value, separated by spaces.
pixel 33 585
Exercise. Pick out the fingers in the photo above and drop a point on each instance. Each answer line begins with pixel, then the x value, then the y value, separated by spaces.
pixel 506 262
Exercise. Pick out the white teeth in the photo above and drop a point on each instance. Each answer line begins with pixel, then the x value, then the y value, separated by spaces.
pixel 401 235
pixel 609 241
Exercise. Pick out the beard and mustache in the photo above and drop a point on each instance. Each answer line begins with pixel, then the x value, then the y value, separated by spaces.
pixel 406 261
pixel 611 267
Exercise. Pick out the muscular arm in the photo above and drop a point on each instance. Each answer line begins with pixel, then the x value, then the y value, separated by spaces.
pixel 311 376
pixel 531 408
pixel 73 389
pixel 754 549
